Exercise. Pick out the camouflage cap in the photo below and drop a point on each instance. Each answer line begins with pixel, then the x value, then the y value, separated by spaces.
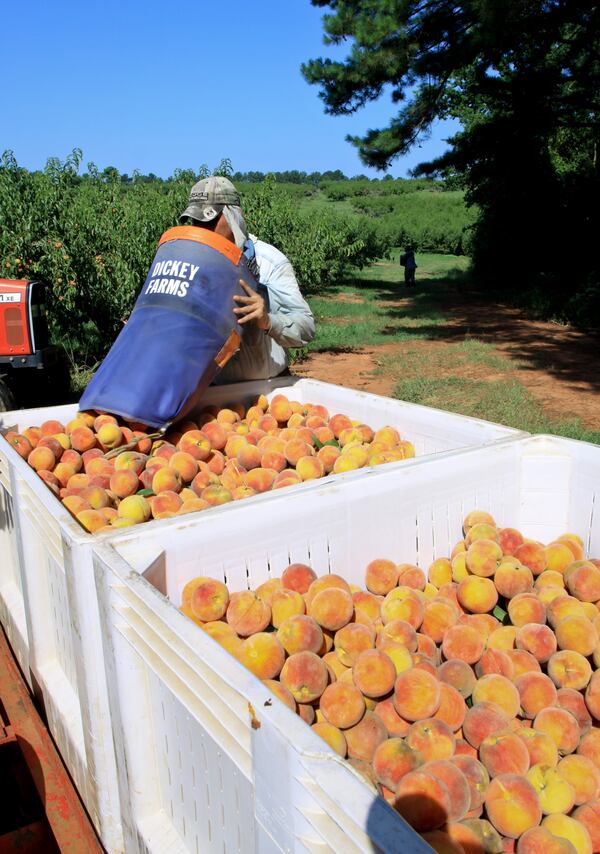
pixel 208 198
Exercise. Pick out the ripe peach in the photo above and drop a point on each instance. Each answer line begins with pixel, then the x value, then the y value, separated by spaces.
pixel 342 704
pixel 541 748
pixel 526 608
pixel 411 576
pixel 300 633
pixel 124 483
pixel 483 557
pixel 570 829
pixel 477 594
pixel 167 478
pixel 135 508
pixel 459 675
pixel 483 719
pixel 247 613
pixel 310 468
pixel 457 783
pixel 20 443
pixel 538 840
pixel 394 724
pixel 564 606
pixel 539 640
pixel 476 775
pixel 402 603
pixel 42 458
pixel 333 736
pixel 381 576
pixel 589 816
pixel 509 540
pixel 51 482
pixel 592 695
pixel 536 691
pixel 209 600
pixel 191 505
pixel 423 801
pixel 281 692
pixel 351 640
pixel 364 738
pixel 569 669
pixel 512 805
pixel 464 642
pixel 561 726
pixel 260 479
pixel 583 775
pixel 91 520
pixel 72 458
pixel 75 504
pixel 504 753
pixel 522 662
pixel 332 608
pixel 495 661
pixel 305 675
pixel 298 577
pixel 440 571
pixel 416 695
pixel 431 738
pixel 558 556
pixel 367 608
pixel 33 435
pixel 216 435
pixel 497 689
pixel 576 633
pixel 325 582
pixel 328 455
pixel 374 673
pixel 284 604
pixel 273 460
pixel 395 632
pixel 584 583
pixel 438 616
pixel 52 443
pixel 215 495
pixel 532 555
pixel 62 472
pixel 511 580
pixel 452 708
pixel 573 701
pixel 96 497
pixel 185 464
pixel 262 654
pixel 589 746
pixel 287 477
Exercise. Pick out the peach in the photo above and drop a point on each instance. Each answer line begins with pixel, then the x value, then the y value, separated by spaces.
pixel 281 692
pixel 216 435
pixel 42 458
pixel 91 520
pixel 190 505
pixel 332 607
pixel 476 775
pixel 511 580
pixel 203 479
pixel 411 576
pixel 50 427
pixel 438 616
pixel 422 800
pixel 477 594
pixel 482 720
pixel 351 640
pixel 342 704
pixel 522 662
pixel 569 669
pixel 215 495
pixel 431 738
pixel 459 567
pixel 20 443
pixel 247 613
pixel 367 607
pixel 532 555
pixel 62 472
pixel 354 459
pixel 504 753
pixel 573 701
pixel 295 449
pixel 381 576
pixel 440 571
pixel 185 464
pixel 332 736
pixel 33 435
pixel 497 689
pixel 392 759
pixel 394 724
pixel 495 661
pixel 51 443
pixel 584 583
pixel 298 577
pixel 326 582
pixel 284 604
pixel 310 468
pixel 561 726
pixel 476 517
pixel 374 673
pixel 124 483
pixel 272 460
pixel 464 642
pixel 483 557
pixel 509 540
pixel 541 748
pixel 266 590
pixel 457 783
pixel 589 746
pixel 402 603
pixel 539 640
pixel 130 461
pixel 589 816
pixel 240 492
pixel 306 712
pixel 365 737
pixel 459 675
pixel 549 578
pixel 538 840
pixel 260 479
pixel 537 691
pixel 96 497
pixel 570 829
pixel 558 556
pixel 263 654
pixel 209 600
pixel 576 633
pixel 267 424
pixel 305 675
pixel 481 531
pixel 452 708
pixel 300 633
pixel 526 608
pixel 167 478
pixel 562 607
pixel 583 776
pixel 328 455
pixel 395 632
pixel 416 694
pixel 512 805
pixel 339 422
pixel 135 508
pixel 287 477
pixel 592 695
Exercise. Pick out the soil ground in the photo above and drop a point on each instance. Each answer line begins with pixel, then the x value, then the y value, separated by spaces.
pixel 558 364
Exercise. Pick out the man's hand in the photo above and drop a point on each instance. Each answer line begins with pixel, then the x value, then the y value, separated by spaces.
pixel 252 307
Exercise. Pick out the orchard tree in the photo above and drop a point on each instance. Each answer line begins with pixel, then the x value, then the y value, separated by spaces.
pixel 523 78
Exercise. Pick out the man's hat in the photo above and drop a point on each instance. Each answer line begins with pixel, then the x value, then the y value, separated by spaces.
pixel 208 198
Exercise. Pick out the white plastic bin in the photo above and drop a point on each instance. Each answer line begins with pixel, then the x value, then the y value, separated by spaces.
pixel 47 595
pixel 194 774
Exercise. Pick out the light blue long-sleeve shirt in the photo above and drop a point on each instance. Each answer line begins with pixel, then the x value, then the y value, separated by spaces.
pixel 264 354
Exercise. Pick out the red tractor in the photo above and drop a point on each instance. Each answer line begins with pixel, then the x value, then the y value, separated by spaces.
pixel 32 371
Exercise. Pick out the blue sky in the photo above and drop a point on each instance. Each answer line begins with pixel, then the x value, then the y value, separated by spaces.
pixel 155 87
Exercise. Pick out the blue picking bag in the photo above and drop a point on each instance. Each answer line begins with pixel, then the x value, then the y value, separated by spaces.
pixel 181 332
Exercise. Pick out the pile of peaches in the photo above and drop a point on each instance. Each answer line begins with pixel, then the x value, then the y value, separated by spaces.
pixel 467 696
pixel 110 473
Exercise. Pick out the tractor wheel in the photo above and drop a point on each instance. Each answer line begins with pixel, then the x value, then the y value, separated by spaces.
pixel 7 401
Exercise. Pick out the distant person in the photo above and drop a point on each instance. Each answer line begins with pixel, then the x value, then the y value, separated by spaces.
pixel 407 260
pixel 277 314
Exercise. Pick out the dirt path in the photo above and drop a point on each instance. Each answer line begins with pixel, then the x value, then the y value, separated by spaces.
pixel 559 365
